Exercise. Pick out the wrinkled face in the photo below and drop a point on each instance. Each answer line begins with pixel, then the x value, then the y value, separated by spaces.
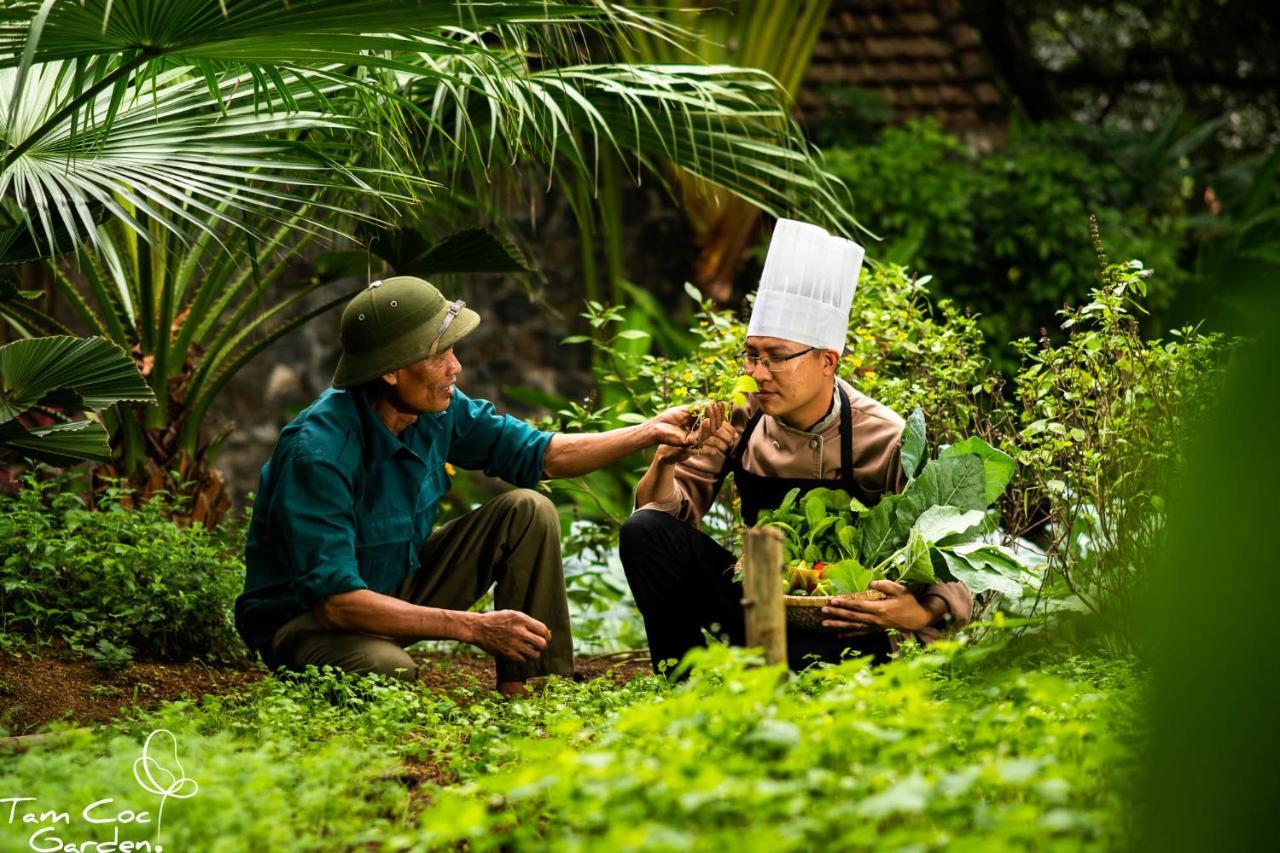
pixel 425 386
pixel 793 384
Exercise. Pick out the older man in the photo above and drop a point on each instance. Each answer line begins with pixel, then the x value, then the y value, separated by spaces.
pixel 806 428
pixel 343 567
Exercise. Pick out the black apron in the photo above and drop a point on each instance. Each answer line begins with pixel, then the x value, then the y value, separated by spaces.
pixel 760 493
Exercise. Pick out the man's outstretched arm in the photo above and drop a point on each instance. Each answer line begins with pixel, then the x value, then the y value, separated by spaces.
pixel 575 454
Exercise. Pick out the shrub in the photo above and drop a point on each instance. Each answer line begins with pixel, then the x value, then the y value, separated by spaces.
pixel 117 581
pixel 1103 418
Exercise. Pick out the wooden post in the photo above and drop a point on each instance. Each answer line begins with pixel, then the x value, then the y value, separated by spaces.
pixel 762 592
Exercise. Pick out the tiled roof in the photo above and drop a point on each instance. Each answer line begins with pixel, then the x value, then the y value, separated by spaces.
pixel 919 55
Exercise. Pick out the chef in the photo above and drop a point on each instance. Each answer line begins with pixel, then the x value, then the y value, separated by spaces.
pixel 805 428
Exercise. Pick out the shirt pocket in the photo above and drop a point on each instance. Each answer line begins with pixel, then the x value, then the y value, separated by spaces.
pixel 383 546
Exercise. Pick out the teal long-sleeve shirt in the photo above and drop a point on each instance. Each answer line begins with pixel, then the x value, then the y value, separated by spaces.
pixel 345 504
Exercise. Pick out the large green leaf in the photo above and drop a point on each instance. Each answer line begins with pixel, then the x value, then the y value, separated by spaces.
pixel 917 566
pixel 996 558
pixel 977 577
pixel 86 373
pixel 880 533
pixel 957 481
pixel 914 444
pixel 940 522
pixel 997 465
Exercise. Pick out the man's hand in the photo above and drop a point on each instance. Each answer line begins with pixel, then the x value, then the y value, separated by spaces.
pixel 900 610
pixel 509 634
pixel 678 439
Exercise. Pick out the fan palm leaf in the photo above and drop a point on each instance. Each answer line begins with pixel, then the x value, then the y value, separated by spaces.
pixel 60 376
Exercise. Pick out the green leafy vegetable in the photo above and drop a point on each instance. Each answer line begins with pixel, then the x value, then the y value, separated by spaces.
pixel 997 466
pixel 932 531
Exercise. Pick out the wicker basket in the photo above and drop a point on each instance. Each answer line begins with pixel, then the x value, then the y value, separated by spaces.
pixel 804 612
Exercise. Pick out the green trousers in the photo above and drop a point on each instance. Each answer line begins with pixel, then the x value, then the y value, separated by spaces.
pixel 513 541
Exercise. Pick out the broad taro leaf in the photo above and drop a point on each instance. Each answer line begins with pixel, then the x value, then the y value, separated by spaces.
pixel 957 481
pixel 848 576
pixel 997 465
pixel 79 373
pixel 914 444
pixel 978 578
pixel 880 534
pixel 941 522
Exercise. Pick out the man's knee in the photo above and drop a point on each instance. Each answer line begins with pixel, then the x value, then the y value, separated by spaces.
pixel 639 532
pixel 531 503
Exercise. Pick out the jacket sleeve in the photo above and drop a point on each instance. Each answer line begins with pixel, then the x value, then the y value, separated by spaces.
pixel 499 445
pixel 959 601
pixel 316 525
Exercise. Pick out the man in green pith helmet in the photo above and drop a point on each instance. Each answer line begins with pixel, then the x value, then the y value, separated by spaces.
pixel 343 567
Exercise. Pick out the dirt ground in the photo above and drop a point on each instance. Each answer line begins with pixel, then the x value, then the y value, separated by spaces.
pixel 35 691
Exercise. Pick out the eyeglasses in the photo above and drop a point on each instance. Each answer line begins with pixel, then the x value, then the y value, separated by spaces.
pixel 453 311
pixel 771 363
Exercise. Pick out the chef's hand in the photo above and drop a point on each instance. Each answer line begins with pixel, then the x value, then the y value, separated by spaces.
pixel 898 610
pixel 680 437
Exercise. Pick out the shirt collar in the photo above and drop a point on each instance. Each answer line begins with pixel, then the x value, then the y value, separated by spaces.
pixel 833 413
pixel 382 442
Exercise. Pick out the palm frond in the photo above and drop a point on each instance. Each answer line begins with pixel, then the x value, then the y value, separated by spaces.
pixel 83 373
pixel 167 156
pixel 727 126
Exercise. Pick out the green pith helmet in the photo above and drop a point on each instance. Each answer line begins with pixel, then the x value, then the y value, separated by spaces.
pixel 394 323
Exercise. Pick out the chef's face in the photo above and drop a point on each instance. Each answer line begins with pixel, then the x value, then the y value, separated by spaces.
pixel 788 387
pixel 426 385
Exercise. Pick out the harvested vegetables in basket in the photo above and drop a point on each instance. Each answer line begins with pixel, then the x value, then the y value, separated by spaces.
pixel 937 528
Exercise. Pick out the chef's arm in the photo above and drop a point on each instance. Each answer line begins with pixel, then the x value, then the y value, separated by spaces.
pixel 658 485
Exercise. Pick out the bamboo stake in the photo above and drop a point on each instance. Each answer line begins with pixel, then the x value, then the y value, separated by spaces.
pixel 762 593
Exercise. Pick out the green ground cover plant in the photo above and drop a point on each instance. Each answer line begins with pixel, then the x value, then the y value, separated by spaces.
pixel 973 748
pixel 116 581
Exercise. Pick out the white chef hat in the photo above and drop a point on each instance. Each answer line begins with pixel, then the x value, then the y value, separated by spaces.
pixel 807 286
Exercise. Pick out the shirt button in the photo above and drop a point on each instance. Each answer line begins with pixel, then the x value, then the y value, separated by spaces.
pixel 814 444
pixel 777 446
